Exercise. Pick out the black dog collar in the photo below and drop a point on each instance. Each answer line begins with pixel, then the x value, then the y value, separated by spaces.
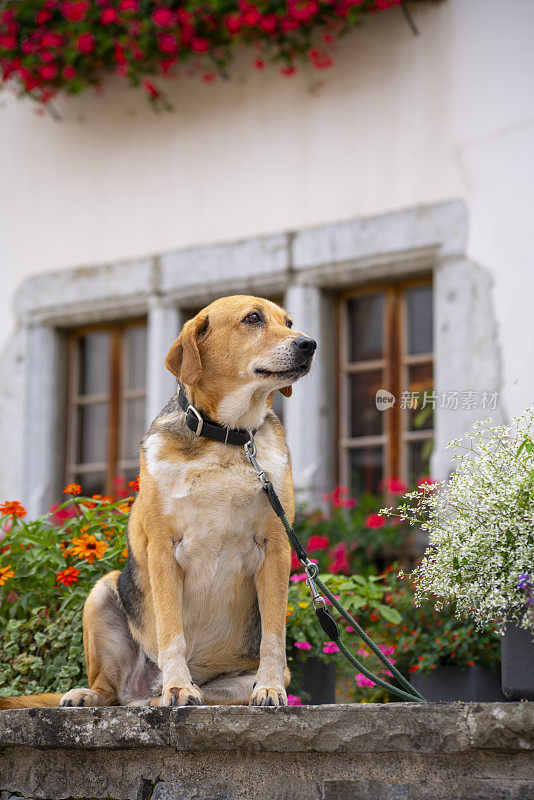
pixel 203 426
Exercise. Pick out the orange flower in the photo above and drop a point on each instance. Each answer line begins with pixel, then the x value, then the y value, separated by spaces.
pixel 68 576
pixel 72 488
pixel 109 534
pixel 88 547
pixel 5 573
pixel 125 507
pixel 13 508
pixel 125 553
pixel 134 484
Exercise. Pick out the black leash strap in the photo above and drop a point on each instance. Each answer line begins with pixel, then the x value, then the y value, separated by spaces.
pixel 326 621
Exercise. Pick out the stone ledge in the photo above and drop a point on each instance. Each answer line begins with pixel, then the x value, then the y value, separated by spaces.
pixel 358 728
pixel 400 751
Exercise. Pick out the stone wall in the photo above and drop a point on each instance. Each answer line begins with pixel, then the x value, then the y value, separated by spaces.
pixel 401 751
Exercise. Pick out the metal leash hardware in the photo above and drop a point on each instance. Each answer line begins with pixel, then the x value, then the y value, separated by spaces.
pixel 327 622
pixel 251 452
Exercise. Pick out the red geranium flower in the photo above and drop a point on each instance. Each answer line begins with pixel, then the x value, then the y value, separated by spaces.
pixel 69 72
pixel 108 16
pixel 375 521
pixel 340 560
pixel 337 498
pixel 48 72
pixel 42 16
pixel 318 543
pixel 51 39
pixel 167 43
pixel 129 5
pixel 199 45
pixel 393 486
pixel 75 10
pixel 154 93
pixel 163 17
pixel 86 43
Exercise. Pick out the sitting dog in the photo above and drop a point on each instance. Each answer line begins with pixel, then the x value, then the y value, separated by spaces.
pixel 198 614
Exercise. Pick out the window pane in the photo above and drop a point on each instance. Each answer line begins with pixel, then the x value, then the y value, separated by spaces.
pixel 93 355
pixel 365 419
pixel 135 340
pixel 365 470
pixel 366 327
pixel 421 388
pixel 91 482
pixel 133 428
pixel 418 460
pixel 92 428
pixel 419 319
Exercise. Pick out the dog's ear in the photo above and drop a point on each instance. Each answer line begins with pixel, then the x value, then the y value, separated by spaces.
pixel 287 391
pixel 183 359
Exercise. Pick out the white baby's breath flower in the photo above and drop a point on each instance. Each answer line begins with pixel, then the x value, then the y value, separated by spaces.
pixel 481 525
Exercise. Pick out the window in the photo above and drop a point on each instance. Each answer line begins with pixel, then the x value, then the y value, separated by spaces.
pixel 106 405
pixel 386 342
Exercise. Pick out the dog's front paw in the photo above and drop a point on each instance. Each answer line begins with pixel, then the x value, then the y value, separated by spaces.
pixel 83 697
pixel 268 696
pixel 189 695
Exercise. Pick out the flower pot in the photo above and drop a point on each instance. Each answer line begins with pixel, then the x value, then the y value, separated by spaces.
pixel 517 663
pixel 319 681
pixel 474 684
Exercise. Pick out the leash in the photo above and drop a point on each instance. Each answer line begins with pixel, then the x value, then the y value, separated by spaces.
pixel 203 426
pixel 326 621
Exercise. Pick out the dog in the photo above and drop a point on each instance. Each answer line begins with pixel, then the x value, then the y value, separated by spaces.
pixel 197 616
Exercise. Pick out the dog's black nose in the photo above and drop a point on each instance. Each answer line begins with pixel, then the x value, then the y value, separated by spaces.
pixel 307 345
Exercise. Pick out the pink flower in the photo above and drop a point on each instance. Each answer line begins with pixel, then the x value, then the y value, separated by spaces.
pixel 362 652
pixel 349 629
pixel 386 649
pixel 300 577
pixel 375 521
pixel 293 700
pixel 330 647
pixel 362 680
pixel 167 43
pixel 48 72
pixel 303 645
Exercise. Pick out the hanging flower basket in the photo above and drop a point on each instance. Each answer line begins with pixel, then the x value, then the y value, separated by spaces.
pixel 49 47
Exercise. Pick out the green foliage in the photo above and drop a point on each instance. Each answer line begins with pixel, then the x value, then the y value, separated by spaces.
pixel 40 618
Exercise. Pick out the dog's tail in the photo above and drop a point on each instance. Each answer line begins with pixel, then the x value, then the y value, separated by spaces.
pixel 31 701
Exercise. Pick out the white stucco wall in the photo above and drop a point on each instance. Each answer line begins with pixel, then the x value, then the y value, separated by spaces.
pixel 400 121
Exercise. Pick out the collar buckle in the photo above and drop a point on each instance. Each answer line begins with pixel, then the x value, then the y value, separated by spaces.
pixel 200 419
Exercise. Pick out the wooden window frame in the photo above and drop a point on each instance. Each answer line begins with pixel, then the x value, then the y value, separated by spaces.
pixel 113 466
pixel 395 364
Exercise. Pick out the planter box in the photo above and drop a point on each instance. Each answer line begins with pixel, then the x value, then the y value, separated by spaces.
pixel 517 663
pixel 319 681
pixel 474 684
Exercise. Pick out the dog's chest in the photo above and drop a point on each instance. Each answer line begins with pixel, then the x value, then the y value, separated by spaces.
pixel 216 503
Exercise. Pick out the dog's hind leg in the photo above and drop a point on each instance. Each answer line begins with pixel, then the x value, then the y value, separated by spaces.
pixel 233 690
pixel 110 650
pixel 229 690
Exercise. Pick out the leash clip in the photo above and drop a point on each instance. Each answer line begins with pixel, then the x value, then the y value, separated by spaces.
pixel 251 452
pixel 312 570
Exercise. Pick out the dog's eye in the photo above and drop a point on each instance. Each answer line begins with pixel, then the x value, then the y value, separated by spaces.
pixel 253 318
pixel 289 323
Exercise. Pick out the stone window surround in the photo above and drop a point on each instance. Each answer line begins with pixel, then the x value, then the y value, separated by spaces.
pixel 307 267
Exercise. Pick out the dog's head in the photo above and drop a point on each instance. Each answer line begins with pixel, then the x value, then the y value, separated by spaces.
pixel 240 345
